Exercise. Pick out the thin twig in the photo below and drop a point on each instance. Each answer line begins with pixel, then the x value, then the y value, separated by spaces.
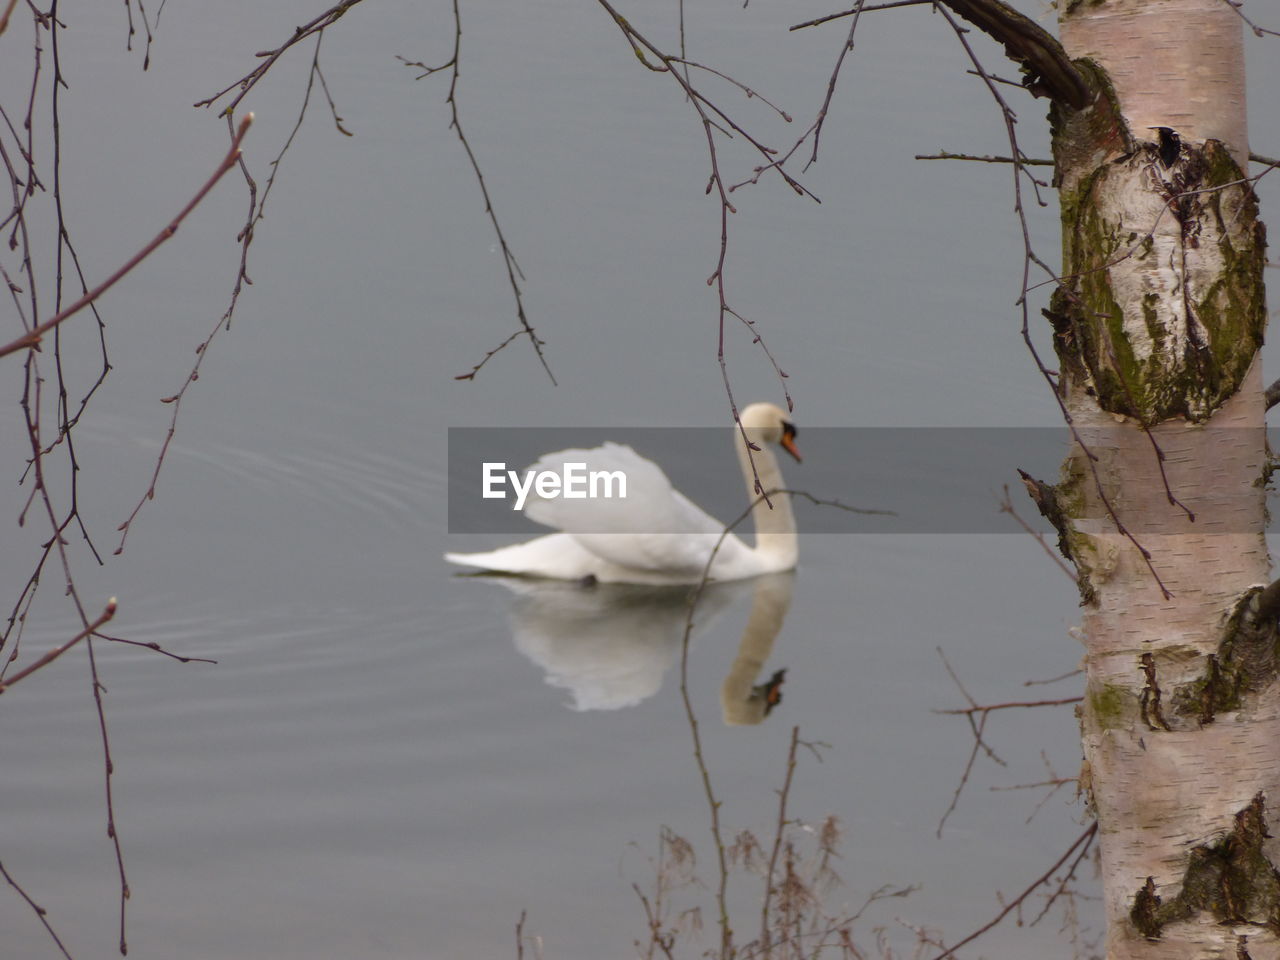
pixel 976 714
pixel 1258 31
pixel 4 17
pixel 716 121
pixel 867 8
pixel 1085 838
pixel 152 645
pixel 713 802
pixel 108 612
pixel 779 829
pixel 1030 257
pixel 976 727
pixel 514 273
pixel 254 216
pixel 946 155
pixel 1006 506
pixel 269 57
pixel 32 337
pixel 1058 679
pixel 40 912
pixel 1010 705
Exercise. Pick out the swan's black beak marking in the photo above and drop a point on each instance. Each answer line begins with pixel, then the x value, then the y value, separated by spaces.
pixel 788 441
pixel 770 691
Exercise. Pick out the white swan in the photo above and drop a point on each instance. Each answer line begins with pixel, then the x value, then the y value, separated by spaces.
pixel 656 534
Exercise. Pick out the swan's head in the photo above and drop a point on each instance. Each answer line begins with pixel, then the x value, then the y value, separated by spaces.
pixel 765 423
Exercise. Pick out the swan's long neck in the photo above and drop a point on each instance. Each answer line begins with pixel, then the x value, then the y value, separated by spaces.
pixel 776 540
pixel 770 601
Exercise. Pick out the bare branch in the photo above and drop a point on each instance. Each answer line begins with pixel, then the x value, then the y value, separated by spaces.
pixel 4 17
pixel 40 911
pixel 514 274
pixel 255 215
pixel 108 612
pixel 1011 705
pixel 867 8
pixel 779 828
pixel 152 645
pixel 946 155
pixel 269 57
pixel 1258 31
pixel 32 337
pixel 1050 71
pixel 1006 506
pixel 977 724
pixel 1081 843
pixel 715 121
pixel 1273 394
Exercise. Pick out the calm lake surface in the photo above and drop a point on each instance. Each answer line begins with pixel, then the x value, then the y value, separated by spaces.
pixel 392 761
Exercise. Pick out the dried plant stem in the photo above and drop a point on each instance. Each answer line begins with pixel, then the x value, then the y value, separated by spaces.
pixel 713 802
pixel 776 849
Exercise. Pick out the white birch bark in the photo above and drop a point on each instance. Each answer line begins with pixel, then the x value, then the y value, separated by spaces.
pixel 1173 63
pixel 1184 775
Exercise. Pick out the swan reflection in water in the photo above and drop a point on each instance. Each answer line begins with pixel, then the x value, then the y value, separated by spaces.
pixel 610 645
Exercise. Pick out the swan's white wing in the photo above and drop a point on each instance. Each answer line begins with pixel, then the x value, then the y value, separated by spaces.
pixel 650 504
pixel 653 528
pixel 561 557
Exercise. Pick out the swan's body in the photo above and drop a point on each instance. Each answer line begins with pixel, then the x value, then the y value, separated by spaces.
pixel 656 534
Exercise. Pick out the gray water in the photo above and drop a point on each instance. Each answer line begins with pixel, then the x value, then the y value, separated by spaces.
pixel 376 767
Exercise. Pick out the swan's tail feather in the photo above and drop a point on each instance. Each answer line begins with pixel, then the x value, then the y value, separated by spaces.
pixel 556 555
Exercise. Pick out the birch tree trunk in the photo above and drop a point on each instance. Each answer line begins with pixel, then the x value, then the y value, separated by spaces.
pixel 1162 501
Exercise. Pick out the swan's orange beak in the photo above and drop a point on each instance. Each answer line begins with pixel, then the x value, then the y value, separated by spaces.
pixel 788 442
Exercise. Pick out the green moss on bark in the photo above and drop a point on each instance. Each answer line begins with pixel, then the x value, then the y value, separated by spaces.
pixel 1231 880
pixel 1190 378
pixel 1247 661
pixel 1110 707
pixel 1069 504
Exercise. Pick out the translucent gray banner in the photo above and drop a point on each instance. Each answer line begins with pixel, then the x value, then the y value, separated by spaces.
pixel 907 480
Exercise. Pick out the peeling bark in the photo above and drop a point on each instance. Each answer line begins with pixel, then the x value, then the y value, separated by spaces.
pixel 1169 257
pixel 1231 879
